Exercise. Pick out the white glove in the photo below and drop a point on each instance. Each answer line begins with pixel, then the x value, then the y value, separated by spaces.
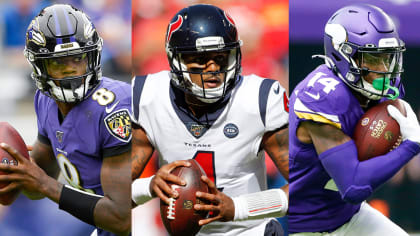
pixel 409 126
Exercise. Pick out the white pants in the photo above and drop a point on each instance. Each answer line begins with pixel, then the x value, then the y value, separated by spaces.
pixel 366 222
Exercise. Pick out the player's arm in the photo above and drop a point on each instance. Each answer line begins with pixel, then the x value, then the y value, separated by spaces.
pixel 276 144
pixel 43 155
pixel 338 154
pixel 112 211
pixel 250 206
pixel 144 189
pixel 141 151
pixel 275 204
pixel 30 176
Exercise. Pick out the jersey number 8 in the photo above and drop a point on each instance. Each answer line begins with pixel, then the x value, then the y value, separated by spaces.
pixel 70 172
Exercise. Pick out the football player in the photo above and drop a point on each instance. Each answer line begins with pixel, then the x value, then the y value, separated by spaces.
pixel 84 126
pixel 204 109
pixel 328 185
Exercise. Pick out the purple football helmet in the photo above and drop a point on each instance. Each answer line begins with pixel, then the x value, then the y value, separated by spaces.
pixel 359 35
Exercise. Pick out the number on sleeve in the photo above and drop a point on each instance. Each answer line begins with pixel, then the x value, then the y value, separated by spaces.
pixel 103 96
pixel 329 83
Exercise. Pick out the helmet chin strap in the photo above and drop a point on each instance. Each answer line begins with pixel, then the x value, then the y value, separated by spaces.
pixel 384 84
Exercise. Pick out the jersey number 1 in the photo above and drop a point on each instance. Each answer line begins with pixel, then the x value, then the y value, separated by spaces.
pixel 206 161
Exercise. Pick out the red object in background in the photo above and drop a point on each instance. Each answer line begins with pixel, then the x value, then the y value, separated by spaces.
pixel 9 135
pixel 380 205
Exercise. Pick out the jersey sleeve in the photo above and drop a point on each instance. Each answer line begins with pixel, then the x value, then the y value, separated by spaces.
pixel 324 101
pixel 39 106
pixel 137 85
pixel 115 126
pixel 274 102
pixel 141 97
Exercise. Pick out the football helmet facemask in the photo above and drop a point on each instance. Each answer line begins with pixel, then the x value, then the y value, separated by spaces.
pixel 197 31
pixel 61 31
pixel 361 39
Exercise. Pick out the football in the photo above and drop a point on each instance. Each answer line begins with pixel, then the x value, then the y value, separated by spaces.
pixel 9 135
pixel 377 133
pixel 179 217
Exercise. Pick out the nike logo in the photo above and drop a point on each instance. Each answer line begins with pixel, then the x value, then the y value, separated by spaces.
pixel 109 109
pixel 316 97
pixel 277 90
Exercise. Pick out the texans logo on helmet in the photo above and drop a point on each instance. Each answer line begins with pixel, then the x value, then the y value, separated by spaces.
pixel 229 18
pixel 174 27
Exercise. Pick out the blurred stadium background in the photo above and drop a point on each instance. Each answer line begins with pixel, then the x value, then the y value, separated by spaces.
pixel 112 19
pixel 263 27
pixel 398 198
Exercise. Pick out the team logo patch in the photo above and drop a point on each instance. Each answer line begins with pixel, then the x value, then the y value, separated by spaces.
pixel 365 121
pixel 196 130
pixel 118 124
pixel 59 135
pixel 231 130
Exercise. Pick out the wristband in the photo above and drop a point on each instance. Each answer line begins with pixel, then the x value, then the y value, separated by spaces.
pixel 78 203
pixel 140 190
pixel 259 205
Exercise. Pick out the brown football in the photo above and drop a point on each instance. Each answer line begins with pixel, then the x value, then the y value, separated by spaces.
pixel 9 135
pixel 377 133
pixel 179 217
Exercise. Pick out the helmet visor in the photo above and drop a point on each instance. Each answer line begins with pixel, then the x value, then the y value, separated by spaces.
pixel 386 63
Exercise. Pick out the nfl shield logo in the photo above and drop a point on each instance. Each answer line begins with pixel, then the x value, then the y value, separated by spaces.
pixel 59 135
pixel 196 130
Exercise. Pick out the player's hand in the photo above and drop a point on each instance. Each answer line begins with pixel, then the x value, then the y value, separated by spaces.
pixel 159 185
pixel 409 126
pixel 26 175
pixel 221 205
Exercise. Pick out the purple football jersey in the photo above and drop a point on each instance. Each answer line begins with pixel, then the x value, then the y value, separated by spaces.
pixel 315 203
pixel 96 128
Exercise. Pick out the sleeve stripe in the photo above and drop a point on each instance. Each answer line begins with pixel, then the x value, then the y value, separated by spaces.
pixel 137 89
pixel 300 107
pixel 317 118
pixel 263 97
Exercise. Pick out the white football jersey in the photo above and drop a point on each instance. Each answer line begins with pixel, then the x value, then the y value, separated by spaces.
pixel 228 150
